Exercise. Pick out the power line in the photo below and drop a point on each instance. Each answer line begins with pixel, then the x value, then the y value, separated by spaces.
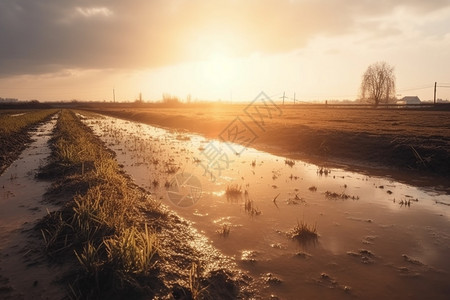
pixel 415 89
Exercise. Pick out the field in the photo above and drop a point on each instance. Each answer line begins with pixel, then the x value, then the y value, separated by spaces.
pixel 14 125
pixel 115 208
pixel 393 142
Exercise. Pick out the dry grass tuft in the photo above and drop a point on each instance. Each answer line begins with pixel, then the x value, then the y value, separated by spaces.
pixel 289 162
pixel 304 232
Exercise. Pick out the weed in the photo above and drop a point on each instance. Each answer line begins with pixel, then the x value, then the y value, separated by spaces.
pixel 132 250
pixel 250 207
pixel 171 169
pixel 233 193
pixel 289 162
pixel 89 258
pixel 323 171
pixel 155 183
pixel 304 232
pixel 194 282
pixel 224 230
pixel 343 196
pixel 312 188
pixel 233 190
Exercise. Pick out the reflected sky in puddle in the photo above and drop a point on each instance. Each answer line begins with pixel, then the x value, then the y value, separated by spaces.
pixel 351 211
pixel 21 206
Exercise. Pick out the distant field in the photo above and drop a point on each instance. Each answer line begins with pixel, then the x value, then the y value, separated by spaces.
pixel 406 139
pixel 14 127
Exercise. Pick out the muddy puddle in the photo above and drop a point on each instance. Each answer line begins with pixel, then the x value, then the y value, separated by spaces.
pixel 23 272
pixel 376 237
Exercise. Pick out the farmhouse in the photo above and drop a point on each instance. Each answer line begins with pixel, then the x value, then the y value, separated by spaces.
pixel 409 100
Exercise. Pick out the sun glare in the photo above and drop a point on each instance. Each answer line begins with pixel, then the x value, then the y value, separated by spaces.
pixel 218 71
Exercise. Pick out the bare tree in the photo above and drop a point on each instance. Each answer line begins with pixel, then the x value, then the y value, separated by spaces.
pixel 378 83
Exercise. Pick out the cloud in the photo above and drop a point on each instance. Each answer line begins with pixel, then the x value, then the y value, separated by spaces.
pixel 89 12
pixel 48 36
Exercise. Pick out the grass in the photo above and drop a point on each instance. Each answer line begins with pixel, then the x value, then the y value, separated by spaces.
pixel 195 285
pixel 233 190
pixel 343 196
pixel 304 232
pixel 249 205
pixel 289 162
pixel 13 124
pixel 224 230
pixel 312 188
pixel 14 132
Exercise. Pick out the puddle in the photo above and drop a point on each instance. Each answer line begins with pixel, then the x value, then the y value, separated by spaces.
pixel 366 225
pixel 21 268
pixel 17 115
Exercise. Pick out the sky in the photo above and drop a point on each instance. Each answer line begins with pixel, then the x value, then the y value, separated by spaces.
pixel 228 50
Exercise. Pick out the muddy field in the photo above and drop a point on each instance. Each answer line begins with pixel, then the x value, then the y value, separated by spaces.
pixel 226 220
pixel 407 144
pixel 375 235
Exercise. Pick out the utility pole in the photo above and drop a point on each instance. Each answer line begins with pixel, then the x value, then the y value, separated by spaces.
pixel 114 95
pixel 140 97
pixel 294 98
pixel 435 84
pixel 284 96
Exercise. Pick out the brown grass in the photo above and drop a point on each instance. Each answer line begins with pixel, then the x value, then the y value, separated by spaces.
pixel 14 132
pixel 304 232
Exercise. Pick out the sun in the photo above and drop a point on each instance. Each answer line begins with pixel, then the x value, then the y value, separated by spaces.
pixel 218 70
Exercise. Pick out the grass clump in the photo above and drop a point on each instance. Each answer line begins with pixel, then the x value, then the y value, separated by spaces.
pixel 132 250
pixel 233 193
pixel 304 232
pixel 249 206
pixel 233 190
pixel 289 162
pixel 343 196
pixel 224 230
pixel 312 188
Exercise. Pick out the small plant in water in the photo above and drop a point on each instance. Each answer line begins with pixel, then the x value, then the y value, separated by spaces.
pixel 304 232
pixel 312 188
pixel 155 183
pixel 224 230
pixel 249 206
pixel 233 190
pixel 323 171
pixel 289 162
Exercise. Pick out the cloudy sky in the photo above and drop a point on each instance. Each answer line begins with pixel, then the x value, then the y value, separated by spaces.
pixel 219 49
